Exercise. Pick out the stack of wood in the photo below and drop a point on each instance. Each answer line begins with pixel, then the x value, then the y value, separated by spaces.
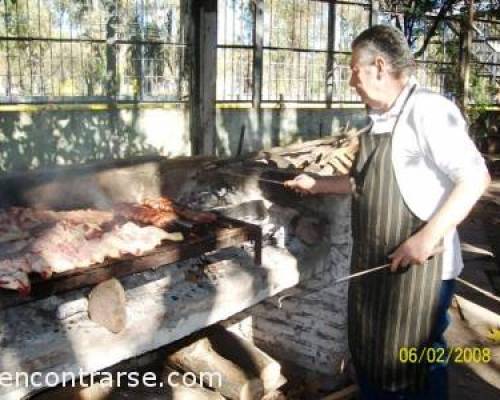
pixel 214 365
pixel 329 156
pixel 232 367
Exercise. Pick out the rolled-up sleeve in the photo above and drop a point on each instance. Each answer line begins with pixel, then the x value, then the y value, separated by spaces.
pixel 446 140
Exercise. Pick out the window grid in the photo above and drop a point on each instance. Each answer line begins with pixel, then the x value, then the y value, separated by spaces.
pixel 68 51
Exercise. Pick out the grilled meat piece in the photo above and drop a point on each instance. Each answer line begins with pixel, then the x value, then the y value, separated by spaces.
pixel 166 204
pixel 160 203
pixel 15 280
pixel 145 215
pixel 200 217
pixel 47 242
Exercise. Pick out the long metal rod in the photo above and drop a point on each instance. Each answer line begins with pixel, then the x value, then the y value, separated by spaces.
pixel 235 174
pixel 365 272
pixel 437 250
pixel 478 289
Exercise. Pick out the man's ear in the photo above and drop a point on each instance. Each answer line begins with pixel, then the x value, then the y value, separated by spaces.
pixel 381 66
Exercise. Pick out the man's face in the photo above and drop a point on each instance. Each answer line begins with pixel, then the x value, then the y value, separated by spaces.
pixel 365 78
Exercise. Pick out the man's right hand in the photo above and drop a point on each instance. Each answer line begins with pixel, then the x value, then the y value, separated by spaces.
pixel 302 183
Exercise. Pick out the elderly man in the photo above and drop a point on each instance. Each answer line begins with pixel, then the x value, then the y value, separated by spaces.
pixel 416 177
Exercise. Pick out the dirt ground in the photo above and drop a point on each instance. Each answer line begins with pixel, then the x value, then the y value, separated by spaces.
pixel 470 381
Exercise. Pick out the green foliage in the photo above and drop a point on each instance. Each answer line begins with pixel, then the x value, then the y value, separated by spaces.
pixel 43 59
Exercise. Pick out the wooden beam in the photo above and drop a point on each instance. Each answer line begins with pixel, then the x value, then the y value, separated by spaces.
pixel 195 92
pixel 208 75
pixel 374 12
pixel 466 55
pixel 329 57
pixel 258 53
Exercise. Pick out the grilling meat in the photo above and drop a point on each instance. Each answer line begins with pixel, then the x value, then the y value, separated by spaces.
pixel 67 246
pixel 145 215
pixel 167 205
pixel 20 223
pixel 161 212
pixel 14 279
pixel 160 203
pixel 47 242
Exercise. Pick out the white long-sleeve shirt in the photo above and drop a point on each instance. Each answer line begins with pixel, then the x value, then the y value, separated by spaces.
pixel 431 153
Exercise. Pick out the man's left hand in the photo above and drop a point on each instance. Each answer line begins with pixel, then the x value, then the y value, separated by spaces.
pixel 416 250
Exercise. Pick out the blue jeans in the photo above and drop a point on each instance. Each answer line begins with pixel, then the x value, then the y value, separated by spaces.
pixel 437 378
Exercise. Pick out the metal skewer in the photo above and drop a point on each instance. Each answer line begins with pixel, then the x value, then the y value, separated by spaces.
pixel 368 271
pixel 246 176
pixel 437 250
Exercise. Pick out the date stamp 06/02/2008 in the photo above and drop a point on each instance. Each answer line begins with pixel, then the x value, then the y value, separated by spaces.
pixel 459 355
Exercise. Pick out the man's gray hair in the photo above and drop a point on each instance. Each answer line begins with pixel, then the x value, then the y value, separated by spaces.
pixel 390 43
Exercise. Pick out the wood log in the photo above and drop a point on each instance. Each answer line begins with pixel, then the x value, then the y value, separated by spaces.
pixel 313 168
pixel 338 166
pixel 247 356
pixel 167 389
pixel 107 305
pixel 242 354
pixel 302 161
pixel 274 395
pixel 165 392
pixel 96 391
pixel 344 394
pixel 297 147
pixel 174 380
pixel 277 161
pixel 201 359
pixel 327 170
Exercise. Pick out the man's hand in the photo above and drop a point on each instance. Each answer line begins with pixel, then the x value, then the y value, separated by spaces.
pixel 416 250
pixel 302 183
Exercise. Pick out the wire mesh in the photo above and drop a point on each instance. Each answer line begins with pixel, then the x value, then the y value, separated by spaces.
pixel 65 50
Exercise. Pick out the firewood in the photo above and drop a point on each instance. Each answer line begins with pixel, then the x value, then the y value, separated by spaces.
pixel 278 161
pixel 341 168
pixel 97 391
pixel 246 371
pixel 348 392
pixel 274 395
pixel 327 170
pixel 302 146
pixel 302 161
pixel 201 359
pixel 196 391
pixel 313 168
pixel 247 356
pixel 107 305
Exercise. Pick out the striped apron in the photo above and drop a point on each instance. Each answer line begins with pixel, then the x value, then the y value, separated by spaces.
pixel 387 311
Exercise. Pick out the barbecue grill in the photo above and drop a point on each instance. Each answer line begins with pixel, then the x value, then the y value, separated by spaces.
pixel 223 233
pixel 99 188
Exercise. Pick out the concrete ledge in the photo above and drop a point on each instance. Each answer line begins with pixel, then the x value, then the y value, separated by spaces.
pixel 54 335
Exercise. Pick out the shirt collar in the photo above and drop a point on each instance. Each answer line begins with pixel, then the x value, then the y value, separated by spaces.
pixel 383 122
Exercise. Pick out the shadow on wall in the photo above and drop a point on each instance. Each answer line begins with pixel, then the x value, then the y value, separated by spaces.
pixel 48 138
pixel 279 127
